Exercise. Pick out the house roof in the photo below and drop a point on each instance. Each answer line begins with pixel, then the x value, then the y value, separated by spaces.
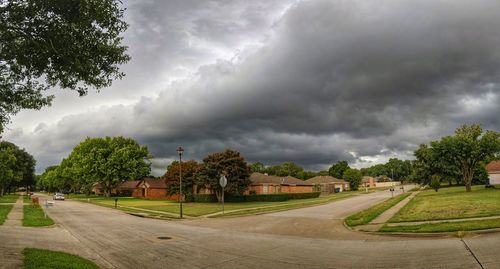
pixel 493 166
pixel 259 178
pixel 154 183
pixel 325 179
pixel 129 184
pixel 367 179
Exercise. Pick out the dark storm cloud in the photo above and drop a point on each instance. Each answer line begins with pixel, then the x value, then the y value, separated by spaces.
pixel 353 80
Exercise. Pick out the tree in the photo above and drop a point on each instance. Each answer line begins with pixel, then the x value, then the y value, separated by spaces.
pixel 23 167
pixel 190 171
pixel 467 149
pixel 353 176
pixel 337 170
pixel 109 161
pixel 435 182
pixel 229 163
pixel 7 172
pixel 285 169
pixel 257 167
pixel 74 44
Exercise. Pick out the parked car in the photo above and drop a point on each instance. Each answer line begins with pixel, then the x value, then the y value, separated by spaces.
pixel 58 196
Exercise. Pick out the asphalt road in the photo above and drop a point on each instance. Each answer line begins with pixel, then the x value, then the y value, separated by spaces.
pixel 302 238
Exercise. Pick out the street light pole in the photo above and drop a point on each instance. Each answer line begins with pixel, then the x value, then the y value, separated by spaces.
pixel 180 150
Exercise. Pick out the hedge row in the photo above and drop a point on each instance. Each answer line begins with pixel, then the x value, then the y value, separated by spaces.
pixel 211 198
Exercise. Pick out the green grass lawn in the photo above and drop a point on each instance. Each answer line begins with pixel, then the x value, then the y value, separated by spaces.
pixel 9 198
pixel 34 217
pixel 47 259
pixel 445 226
pixel 200 209
pixel 4 211
pixel 367 215
pixel 451 203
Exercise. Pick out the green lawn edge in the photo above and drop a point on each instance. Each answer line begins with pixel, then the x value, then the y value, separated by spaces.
pixel 366 216
pixel 472 225
pixel 47 259
pixel 33 216
pixel 4 211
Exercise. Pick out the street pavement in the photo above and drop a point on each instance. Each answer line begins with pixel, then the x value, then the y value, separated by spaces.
pixel 311 237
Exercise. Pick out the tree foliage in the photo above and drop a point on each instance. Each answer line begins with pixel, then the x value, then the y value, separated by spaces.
pixel 17 167
pixel 73 44
pixel 190 173
pixel 354 177
pixel 107 161
pixel 337 170
pixel 229 163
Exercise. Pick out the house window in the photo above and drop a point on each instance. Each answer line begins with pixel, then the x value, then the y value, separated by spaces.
pixel 265 189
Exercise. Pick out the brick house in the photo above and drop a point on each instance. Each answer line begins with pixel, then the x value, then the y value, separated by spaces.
pixel 126 188
pixel 265 184
pixel 328 184
pixel 368 181
pixel 151 188
pixel 493 169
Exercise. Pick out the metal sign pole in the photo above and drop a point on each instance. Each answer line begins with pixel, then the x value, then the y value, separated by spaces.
pixel 223 183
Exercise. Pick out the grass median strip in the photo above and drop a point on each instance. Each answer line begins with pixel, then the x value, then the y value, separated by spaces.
pixel 47 259
pixel 444 226
pixel 202 209
pixel 35 217
pixel 367 215
pixel 451 203
pixel 4 211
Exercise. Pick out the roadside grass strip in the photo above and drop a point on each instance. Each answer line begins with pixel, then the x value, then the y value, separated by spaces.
pixel 450 203
pixel 367 215
pixel 47 259
pixel 169 208
pixel 9 198
pixel 444 226
pixel 4 211
pixel 34 217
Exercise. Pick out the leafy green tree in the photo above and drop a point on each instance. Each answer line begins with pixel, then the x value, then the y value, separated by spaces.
pixel 354 177
pixel 337 170
pixel 74 44
pixel 190 173
pixel 467 149
pixel 109 161
pixel 284 169
pixel 23 167
pixel 258 167
pixel 7 172
pixel 229 163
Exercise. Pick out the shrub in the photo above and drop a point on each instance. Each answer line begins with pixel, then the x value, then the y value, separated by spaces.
pixel 204 198
pixel 305 195
pixel 257 198
pixel 435 182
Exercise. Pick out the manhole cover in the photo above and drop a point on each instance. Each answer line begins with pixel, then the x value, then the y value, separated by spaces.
pixel 164 237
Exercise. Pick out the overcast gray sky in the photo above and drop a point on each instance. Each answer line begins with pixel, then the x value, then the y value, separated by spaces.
pixel 312 82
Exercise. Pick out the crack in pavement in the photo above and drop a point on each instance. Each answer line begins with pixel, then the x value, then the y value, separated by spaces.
pixel 471 252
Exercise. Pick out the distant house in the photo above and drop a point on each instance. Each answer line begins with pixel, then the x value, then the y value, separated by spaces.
pixel 265 184
pixel 151 188
pixel 328 184
pixel 493 169
pixel 368 181
pixel 126 188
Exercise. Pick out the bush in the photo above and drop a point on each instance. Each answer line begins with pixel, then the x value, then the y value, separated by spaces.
pixel 435 182
pixel 257 198
pixel 305 195
pixel 204 198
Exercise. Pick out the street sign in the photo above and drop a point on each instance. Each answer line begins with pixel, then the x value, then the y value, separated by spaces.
pixel 223 181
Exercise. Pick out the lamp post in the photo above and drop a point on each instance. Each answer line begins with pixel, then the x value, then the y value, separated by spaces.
pixel 180 150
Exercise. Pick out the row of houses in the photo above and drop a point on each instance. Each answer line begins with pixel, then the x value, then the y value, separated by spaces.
pixel 151 188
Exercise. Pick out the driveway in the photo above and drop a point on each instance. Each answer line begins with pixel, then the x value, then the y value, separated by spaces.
pixel 302 238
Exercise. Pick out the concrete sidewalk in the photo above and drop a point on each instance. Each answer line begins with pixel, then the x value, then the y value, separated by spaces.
pixel 15 217
pixel 389 213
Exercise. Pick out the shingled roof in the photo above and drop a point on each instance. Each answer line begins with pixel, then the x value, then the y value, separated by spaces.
pixel 259 178
pixel 154 183
pixel 129 184
pixel 325 179
pixel 493 166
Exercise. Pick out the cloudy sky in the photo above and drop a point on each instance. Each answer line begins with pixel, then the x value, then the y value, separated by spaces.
pixel 308 81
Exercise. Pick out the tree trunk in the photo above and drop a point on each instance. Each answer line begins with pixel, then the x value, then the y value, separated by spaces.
pixel 107 192
pixel 469 174
pixel 2 190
